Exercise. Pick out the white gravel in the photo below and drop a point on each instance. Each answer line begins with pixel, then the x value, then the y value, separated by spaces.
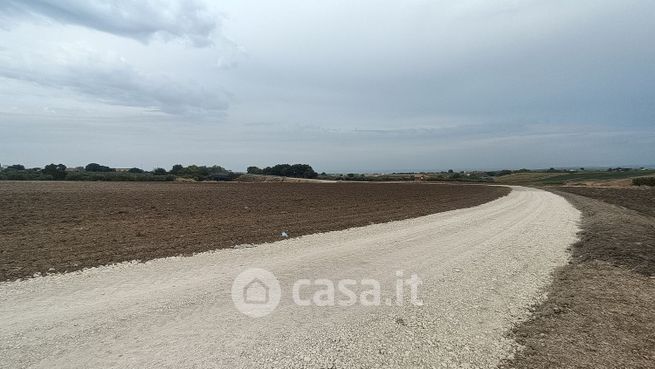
pixel 481 268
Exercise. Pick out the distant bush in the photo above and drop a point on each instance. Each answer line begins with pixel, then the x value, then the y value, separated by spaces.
pixel 97 172
pixel 24 175
pixel 118 176
pixel 254 170
pixel 203 173
pixel 176 168
pixel 57 171
pixel 287 170
pixel 95 167
pixel 226 176
pixel 159 171
pixel 643 181
pixel 16 167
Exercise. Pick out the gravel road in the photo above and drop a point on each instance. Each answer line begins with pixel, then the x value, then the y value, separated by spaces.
pixel 480 269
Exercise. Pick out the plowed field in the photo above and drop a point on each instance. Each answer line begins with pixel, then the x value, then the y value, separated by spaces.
pixel 48 227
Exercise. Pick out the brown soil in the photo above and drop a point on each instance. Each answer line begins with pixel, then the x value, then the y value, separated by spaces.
pixel 641 199
pixel 66 226
pixel 600 311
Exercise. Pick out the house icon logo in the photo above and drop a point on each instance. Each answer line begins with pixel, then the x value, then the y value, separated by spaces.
pixel 256 292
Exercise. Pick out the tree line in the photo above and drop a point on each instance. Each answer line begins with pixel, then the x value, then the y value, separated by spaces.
pixel 99 172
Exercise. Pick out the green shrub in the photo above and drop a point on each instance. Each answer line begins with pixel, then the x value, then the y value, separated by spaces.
pixel 177 168
pixel 95 167
pixel 295 170
pixel 159 172
pixel 56 171
pixel 24 175
pixel 254 170
pixel 203 173
pixel 97 172
pixel 118 176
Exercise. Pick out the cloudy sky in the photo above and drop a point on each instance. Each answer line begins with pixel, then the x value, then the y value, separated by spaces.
pixel 343 85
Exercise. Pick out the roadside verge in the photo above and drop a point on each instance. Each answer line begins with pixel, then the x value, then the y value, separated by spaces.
pixel 600 310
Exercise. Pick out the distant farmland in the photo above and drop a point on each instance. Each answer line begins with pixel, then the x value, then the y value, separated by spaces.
pixel 546 178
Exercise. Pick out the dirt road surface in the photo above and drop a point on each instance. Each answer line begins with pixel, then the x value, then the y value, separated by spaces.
pixel 481 268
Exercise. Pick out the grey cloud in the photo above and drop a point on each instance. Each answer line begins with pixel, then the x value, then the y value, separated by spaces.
pixel 112 81
pixel 141 20
pixel 583 61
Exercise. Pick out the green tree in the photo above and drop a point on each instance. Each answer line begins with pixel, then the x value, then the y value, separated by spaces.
pixel 254 170
pixel 295 170
pixel 159 171
pixel 95 167
pixel 177 168
pixel 57 171
pixel 135 170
